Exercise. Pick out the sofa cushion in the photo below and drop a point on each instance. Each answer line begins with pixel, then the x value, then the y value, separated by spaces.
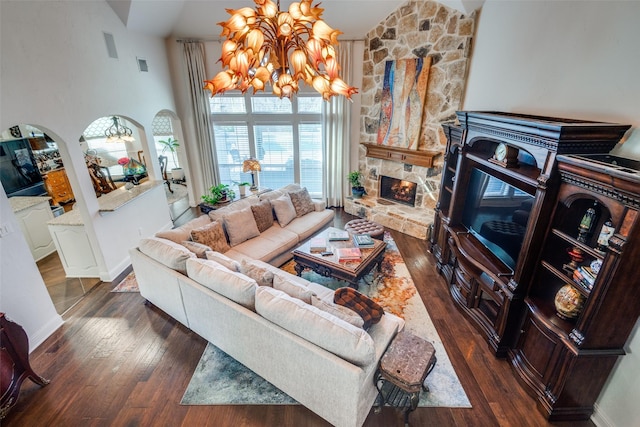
pixel 301 202
pixel 230 284
pixel 339 311
pixel 308 225
pixel 197 248
pixel 211 235
pixel 263 276
pixel 316 326
pixel 240 226
pixel 368 309
pixel 263 214
pixel 222 259
pixel 293 289
pixel 319 205
pixel 271 195
pixel 166 252
pixel 285 212
pixel 217 214
pixel 176 235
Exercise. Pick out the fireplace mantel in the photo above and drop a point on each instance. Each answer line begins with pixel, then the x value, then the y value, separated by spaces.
pixel 402 155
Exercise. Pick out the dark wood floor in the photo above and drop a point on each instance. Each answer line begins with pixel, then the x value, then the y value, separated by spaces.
pixel 119 362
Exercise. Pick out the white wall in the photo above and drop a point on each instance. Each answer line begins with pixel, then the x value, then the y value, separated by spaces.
pixel 567 59
pixel 56 75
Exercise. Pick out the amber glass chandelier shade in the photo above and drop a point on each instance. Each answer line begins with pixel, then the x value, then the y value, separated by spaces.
pixel 268 46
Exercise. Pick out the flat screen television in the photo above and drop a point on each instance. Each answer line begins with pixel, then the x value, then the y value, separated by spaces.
pixel 497 214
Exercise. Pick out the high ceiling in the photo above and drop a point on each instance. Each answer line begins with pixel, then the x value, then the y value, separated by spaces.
pixel 199 18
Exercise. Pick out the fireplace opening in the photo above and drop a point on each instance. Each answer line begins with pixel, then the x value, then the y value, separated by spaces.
pixel 397 190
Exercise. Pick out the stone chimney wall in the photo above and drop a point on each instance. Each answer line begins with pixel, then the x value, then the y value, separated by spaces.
pixel 416 29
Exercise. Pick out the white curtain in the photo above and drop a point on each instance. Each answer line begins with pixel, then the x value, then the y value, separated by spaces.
pixel 194 58
pixel 337 122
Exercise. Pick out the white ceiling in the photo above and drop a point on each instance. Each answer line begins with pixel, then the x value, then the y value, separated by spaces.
pixel 199 18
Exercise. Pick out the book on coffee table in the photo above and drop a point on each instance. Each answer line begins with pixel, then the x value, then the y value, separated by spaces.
pixel 338 235
pixel 349 254
pixel 318 244
pixel 363 241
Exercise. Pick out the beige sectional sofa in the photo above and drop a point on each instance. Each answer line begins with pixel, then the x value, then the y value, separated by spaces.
pixel 282 327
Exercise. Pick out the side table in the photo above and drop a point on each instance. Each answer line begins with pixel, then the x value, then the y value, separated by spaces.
pixel 14 364
pixel 402 371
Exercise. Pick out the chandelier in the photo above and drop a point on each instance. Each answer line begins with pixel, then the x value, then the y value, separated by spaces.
pixel 118 132
pixel 267 45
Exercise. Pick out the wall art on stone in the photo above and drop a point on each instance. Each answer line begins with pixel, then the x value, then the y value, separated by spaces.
pixel 404 90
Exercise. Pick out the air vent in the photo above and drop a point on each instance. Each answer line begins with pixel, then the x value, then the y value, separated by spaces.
pixel 111 45
pixel 142 65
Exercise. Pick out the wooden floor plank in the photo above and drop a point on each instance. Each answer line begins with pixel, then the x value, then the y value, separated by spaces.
pixel 119 362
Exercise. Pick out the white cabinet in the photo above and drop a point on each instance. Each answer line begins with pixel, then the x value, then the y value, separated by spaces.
pixel 33 213
pixel 74 248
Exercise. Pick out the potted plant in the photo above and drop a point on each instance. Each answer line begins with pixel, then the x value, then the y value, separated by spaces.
pixel 355 178
pixel 171 145
pixel 220 193
pixel 242 187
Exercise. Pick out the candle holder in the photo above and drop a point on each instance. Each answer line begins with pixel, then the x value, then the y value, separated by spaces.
pixel 577 256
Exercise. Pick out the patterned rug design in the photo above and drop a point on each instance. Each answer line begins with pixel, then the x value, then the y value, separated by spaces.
pixel 221 380
pixel 128 284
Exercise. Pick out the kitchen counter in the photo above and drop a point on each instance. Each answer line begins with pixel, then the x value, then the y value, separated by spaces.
pixel 20 203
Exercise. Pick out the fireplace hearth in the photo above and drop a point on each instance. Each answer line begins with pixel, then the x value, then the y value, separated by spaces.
pixel 397 190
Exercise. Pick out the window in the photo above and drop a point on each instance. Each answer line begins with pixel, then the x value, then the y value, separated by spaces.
pixel 285 136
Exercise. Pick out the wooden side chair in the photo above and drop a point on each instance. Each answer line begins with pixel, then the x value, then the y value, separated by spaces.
pixel 163 169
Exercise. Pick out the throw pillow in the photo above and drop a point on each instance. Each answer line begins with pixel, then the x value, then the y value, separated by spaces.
pixel 176 235
pixel 211 235
pixel 320 328
pixel 241 226
pixel 293 289
pixel 261 275
pixel 302 202
pixel 368 309
pixel 263 214
pixel 222 259
pixel 166 252
pixel 339 311
pixel 285 212
pixel 197 248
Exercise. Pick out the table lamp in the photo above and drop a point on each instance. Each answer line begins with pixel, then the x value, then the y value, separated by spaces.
pixel 253 166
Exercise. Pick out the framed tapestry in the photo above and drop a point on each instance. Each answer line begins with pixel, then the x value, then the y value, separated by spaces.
pixel 404 91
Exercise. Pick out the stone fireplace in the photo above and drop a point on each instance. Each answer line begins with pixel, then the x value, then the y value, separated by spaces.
pixel 397 190
pixel 416 29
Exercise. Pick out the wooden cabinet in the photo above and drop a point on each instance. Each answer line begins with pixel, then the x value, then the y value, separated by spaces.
pixel 58 186
pixel 14 364
pixel 492 215
pixel 565 357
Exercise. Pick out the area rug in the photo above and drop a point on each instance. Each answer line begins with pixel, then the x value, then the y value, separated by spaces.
pixel 221 380
pixel 179 192
pixel 128 284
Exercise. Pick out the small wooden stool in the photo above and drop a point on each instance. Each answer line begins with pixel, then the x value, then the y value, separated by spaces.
pixel 403 368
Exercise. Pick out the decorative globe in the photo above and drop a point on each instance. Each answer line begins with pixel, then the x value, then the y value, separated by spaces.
pixel 568 302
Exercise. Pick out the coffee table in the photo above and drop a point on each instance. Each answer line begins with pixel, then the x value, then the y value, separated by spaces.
pixel 330 266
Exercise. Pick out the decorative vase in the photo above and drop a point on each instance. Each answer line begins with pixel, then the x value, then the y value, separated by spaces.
pixel 357 192
pixel 133 167
pixel 568 302
pixel 243 190
pixel 177 174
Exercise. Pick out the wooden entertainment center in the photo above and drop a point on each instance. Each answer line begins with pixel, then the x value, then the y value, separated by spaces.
pixel 536 232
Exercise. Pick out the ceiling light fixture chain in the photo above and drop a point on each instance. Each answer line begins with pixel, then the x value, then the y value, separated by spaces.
pixel 268 46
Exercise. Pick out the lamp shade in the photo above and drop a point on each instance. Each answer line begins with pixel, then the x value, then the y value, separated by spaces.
pixel 251 165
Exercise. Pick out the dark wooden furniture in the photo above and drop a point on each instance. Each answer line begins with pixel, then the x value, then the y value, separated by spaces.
pixel 402 371
pixel 57 184
pixel 494 295
pixel 402 155
pixel 14 364
pixel 567 361
pixel 163 170
pixel 330 266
